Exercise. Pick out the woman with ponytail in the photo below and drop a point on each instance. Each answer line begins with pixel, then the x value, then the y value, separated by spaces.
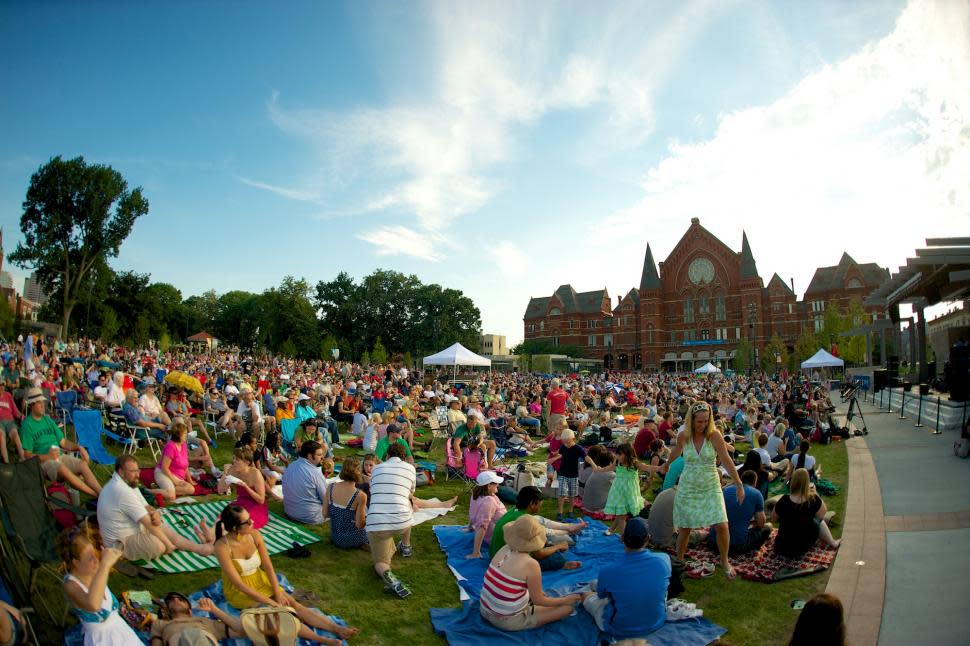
pixel 249 579
pixel 802 460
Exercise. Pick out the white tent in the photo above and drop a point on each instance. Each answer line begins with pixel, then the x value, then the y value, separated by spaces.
pixel 456 355
pixel 822 359
pixel 707 369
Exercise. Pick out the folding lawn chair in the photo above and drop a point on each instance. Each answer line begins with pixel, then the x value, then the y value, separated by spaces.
pixel 212 421
pixel 88 428
pixel 28 523
pixel 453 467
pixel 129 435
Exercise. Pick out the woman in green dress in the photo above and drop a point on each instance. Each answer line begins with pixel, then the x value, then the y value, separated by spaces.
pixel 699 502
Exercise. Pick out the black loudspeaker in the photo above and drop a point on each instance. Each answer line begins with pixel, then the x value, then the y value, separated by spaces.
pixel 958 377
pixel 880 379
pixel 892 367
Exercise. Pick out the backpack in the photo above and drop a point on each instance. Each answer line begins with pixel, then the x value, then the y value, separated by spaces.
pixel 65 517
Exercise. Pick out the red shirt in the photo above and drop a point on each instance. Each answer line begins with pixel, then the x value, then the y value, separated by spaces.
pixel 664 430
pixel 8 409
pixel 643 440
pixel 557 401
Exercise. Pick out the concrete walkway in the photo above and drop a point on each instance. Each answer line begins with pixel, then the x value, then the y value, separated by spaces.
pixel 903 572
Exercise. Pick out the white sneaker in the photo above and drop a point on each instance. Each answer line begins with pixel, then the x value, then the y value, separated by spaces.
pixel 337 446
pixel 216 472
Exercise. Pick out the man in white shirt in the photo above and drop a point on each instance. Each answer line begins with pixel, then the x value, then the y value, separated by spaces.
pixel 389 514
pixel 116 394
pixel 101 390
pixel 129 524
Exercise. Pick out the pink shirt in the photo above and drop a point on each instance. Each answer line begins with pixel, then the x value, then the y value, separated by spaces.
pixel 484 512
pixel 473 462
pixel 179 456
pixel 8 409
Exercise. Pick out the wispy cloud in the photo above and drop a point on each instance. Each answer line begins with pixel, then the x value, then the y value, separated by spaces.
pixel 494 69
pixel 399 240
pixel 511 261
pixel 300 195
pixel 866 155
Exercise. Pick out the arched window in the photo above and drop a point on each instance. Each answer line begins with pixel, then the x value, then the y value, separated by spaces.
pixel 554 312
pixel 720 308
pixel 542 325
pixel 650 333
pixel 853 284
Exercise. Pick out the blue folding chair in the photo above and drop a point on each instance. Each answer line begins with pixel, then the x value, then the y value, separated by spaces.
pixel 89 429
pixel 65 403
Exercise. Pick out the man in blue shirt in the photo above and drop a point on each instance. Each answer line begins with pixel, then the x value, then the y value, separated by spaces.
pixel 631 592
pixel 745 537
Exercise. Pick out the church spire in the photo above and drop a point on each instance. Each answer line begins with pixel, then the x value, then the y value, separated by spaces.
pixel 649 279
pixel 748 267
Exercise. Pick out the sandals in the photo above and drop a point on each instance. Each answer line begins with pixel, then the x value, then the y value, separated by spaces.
pixel 297 551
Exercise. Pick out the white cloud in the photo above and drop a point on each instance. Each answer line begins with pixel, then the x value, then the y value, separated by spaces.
pixel 290 193
pixel 510 260
pixel 868 155
pixel 400 240
pixel 493 69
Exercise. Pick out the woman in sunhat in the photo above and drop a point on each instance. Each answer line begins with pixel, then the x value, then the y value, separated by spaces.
pixel 512 597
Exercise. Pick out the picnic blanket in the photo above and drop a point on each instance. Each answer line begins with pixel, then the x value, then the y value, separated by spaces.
pixel 465 626
pixel 278 533
pixel 423 515
pixel 74 636
pixel 765 566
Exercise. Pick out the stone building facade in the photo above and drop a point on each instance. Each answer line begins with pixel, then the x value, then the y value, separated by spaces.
pixel 694 307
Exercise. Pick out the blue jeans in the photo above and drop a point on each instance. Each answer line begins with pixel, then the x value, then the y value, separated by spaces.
pixel 334 435
pixel 554 561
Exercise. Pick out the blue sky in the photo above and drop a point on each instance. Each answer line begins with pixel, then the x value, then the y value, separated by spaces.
pixel 500 148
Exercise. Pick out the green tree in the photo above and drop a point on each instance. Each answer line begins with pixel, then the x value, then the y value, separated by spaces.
pixel 6 318
pixel 806 345
pixel 546 346
pixel 852 349
pixel 75 214
pixel 379 354
pixel 742 356
pixel 327 347
pixel 775 349
pixel 408 360
pixel 288 348
pixel 164 342
pixel 110 326
pixel 365 358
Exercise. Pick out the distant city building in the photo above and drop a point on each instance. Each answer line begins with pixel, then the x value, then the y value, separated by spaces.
pixel 34 290
pixel 493 344
pixel 6 280
pixel 702 302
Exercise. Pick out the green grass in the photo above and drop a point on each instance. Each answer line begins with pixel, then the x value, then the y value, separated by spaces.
pixel 753 613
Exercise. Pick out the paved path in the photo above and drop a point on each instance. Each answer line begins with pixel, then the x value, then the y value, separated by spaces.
pixel 903 572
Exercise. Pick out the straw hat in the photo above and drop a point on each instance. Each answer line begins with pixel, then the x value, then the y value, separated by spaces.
pixel 525 535
pixel 34 395
pixel 281 622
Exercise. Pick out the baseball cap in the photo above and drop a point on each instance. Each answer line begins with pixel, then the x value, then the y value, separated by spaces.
pixel 488 477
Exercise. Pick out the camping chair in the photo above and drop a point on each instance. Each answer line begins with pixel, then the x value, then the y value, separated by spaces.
pixel 453 468
pixel 288 434
pixel 29 525
pixel 119 430
pixel 65 403
pixel 212 421
pixel 88 428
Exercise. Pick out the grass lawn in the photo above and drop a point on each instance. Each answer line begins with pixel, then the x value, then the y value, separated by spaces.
pixel 753 613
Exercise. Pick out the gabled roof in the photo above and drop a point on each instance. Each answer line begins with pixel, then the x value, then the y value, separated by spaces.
pixel 200 337
pixel 572 302
pixel 634 295
pixel 832 278
pixel 777 279
pixel 748 267
pixel 649 279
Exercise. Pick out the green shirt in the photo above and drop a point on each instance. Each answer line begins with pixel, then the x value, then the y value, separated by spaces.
pixel 383 445
pixel 39 435
pixel 463 431
pixel 498 536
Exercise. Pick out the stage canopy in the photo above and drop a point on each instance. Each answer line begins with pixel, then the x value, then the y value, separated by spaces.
pixel 707 369
pixel 456 355
pixel 822 359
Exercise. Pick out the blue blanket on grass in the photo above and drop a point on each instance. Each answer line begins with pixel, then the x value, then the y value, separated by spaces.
pixel 465 625
pixel 74 636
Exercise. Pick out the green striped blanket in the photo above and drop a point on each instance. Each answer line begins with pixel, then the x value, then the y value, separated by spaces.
pixel 278 533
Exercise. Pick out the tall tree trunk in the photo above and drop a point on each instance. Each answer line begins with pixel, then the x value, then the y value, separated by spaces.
pixel 68 308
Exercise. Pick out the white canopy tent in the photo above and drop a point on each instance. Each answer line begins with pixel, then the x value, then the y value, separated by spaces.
pixel 822 359
pixel 457 355
pixel 707 369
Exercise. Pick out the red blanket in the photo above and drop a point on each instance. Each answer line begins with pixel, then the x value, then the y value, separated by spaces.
pixel 765 565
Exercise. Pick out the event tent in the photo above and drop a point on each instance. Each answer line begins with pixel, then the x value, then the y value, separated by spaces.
pixel 822 359
pixel 457 355
pixel 707 369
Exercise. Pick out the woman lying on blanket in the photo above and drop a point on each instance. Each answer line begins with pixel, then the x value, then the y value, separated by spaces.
pixel 800 519
pixel 249 579
pixel 512 597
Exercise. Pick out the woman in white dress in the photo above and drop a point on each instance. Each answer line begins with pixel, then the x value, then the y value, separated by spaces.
pixel 86 589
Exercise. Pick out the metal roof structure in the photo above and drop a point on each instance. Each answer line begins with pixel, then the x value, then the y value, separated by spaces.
pixel 939 272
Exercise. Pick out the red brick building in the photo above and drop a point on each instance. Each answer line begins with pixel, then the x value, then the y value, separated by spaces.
pixel 694 307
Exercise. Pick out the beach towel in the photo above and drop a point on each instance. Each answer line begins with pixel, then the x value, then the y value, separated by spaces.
pixel 423 515
pixel 278 533
pixel 764 565
pixel 74 636
pixel 466 627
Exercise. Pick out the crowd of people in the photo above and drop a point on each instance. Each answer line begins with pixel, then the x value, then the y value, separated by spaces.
pixel 608 435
